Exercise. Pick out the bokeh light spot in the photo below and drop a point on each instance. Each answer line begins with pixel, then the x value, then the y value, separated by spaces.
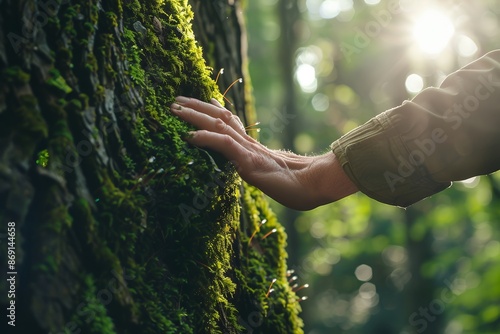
pixel 363 273
pixel 329 9
pixel 466 46
pixel 306 77
pixel 320 102
pixel 414 83
pixel 304 143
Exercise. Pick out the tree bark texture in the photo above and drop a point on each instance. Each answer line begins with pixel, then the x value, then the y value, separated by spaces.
pixel 118 225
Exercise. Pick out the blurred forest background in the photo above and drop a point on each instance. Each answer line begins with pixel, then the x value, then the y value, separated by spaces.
pixel 320 68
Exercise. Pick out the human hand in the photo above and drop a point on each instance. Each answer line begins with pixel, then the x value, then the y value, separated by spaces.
pixel 298 182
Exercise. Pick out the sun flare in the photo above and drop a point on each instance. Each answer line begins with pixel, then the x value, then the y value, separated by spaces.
pixel 432 31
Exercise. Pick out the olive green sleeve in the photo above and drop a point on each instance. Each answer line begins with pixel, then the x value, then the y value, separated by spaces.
pixel 443 134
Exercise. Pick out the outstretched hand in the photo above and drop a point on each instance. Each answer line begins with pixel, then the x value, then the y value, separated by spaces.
pixel 298 182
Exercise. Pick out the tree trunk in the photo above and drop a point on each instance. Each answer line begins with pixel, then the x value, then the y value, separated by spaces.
pixel 110 223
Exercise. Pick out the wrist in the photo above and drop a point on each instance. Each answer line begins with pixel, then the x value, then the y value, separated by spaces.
pixel 326 181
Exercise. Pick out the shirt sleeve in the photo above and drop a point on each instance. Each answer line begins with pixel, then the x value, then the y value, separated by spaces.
pixel 443 134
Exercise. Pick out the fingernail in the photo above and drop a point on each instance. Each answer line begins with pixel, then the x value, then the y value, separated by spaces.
pixel 189 135
pixel 216 103
pixel 175 108
pixel 182 99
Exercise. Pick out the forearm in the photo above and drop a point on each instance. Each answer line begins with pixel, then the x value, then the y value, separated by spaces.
pixel 308 181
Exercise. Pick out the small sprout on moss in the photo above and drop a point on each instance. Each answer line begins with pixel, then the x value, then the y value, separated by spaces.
pixel 153 174
pixel 302 299
pixel 305 286
pixel 217 169
pixel 252 127
pixel 257 230
pixel 150 176
pixel 289 272
pixel 269 290
pixel 228 88
pixel 143 174
pixel 294 278
pixel 269 233
pixel 221 71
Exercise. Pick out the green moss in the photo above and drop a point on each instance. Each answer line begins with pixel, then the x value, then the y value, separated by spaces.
pixel 91 63
pixel 262 261
pixel 84 99
pixel 89 27
pixel 43 158
pixel 91 316
pixel 112 19
pixel 14 75
pixel 74 105
pixel 57 82
pixel 32 126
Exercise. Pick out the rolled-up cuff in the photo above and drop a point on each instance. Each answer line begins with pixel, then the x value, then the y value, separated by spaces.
pixel 377 161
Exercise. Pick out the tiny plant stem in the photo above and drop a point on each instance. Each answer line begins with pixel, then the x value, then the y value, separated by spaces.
pixel 269 290
pixel 269 233
pixel 298 300
pixel 142 173
pixel 301 287
pixel 221 71
pixel 256 230
pixel 231 85
pixel 252 127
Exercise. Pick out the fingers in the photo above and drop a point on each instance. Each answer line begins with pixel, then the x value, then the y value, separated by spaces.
pixel 225 144
pixel 216 103
pixel 203 113
pixel 205 122
pixel 213 110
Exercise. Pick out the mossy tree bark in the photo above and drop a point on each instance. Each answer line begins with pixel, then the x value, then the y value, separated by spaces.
pixel 120 227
